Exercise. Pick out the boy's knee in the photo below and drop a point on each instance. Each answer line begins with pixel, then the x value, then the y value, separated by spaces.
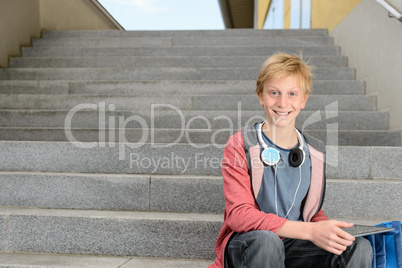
pixel 255 249
pixel 270 244
pixel 267 248
pixel 268 239
pixel 363 252
pixel 364 248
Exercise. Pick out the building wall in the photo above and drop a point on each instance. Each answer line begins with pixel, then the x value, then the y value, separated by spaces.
pixel 72 14
pixel 329 13
pixel 287 14
pixel 372 42
pixel 262 11
pixel 325 14
pixel 396 4
pixel 19 22
pixel 22 20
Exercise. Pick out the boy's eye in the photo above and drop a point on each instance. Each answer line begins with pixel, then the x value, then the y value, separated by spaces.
pixel 274 93
pixel 292 94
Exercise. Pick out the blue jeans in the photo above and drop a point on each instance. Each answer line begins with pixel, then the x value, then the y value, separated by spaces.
pixel 265 249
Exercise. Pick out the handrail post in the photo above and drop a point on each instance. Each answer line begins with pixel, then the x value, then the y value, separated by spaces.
pixel 392 11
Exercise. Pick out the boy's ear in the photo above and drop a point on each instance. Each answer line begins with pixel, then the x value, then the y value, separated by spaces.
pixel 259 94
pixel 303 104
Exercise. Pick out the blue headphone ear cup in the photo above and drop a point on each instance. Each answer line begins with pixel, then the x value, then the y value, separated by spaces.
pixel 270 156
pixel 296 157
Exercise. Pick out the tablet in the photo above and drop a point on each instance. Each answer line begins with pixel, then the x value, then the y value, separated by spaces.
pixel 362 230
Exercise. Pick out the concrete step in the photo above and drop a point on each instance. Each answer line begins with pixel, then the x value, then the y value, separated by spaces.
pixel 262 51
pixel 197 136
pixel 25 260
pixel 362 198
pixel 106 42
pixel 193 41
pixel 169 117
pixel 142 234
pixel 354 162
pixel 117 192
pixel 320 87
pixel 179 61
pixel 42 260
pixel 185 33
pixel 180 102
pixel 102 74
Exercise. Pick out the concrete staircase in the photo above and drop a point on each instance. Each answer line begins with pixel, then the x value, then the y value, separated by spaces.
pixel 111 142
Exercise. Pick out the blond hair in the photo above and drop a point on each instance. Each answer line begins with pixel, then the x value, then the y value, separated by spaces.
pixel 282 65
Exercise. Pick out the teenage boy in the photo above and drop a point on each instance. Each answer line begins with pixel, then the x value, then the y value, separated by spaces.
pixel 274 185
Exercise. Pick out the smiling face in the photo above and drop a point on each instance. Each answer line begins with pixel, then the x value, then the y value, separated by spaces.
pixel 282 99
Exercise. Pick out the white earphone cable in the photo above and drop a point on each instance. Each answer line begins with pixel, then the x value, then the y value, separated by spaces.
pixel 297 189
pixel 264 145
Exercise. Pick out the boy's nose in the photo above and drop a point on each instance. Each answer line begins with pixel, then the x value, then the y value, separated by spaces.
pixel 282 101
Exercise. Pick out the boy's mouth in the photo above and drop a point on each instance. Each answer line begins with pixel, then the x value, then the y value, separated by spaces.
pixel 282 113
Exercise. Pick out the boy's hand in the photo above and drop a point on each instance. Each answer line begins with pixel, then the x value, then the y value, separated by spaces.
pixel 328 236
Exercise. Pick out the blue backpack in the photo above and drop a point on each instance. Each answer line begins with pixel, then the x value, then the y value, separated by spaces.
pixel 387 247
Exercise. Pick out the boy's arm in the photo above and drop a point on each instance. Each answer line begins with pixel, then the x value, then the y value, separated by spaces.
pixel 324 234
pixel 320 216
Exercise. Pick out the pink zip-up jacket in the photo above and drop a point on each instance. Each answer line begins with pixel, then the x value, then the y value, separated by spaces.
pixel 242 172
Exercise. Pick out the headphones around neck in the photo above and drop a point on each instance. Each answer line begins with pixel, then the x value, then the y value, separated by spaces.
pixel 270 156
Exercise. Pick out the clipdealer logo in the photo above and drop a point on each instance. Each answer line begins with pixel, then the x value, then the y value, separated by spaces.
pixel 119 139
pixel 116 136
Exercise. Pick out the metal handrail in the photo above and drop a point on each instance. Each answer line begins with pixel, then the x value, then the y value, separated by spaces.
pixel 392 11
